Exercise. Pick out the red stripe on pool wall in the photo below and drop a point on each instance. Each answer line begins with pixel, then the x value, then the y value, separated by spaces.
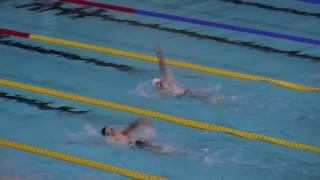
pixel 14 33
pixel 102 5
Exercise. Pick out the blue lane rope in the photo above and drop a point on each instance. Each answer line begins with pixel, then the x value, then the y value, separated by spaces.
pixel 311 1
pixel 197 21
pixel 230 27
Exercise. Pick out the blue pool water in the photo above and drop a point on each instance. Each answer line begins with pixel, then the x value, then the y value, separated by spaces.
pixel 252 106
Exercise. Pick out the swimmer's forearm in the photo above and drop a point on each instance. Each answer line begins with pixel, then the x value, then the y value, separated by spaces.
pixel 133 126
pixel 129 128
pixel 162 66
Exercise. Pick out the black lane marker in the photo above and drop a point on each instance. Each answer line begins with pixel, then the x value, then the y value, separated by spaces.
pixel 39 104
pixel 273 8
pixel 83 12
pixel 67 55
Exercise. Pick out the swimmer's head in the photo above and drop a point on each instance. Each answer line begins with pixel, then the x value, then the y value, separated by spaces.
pixel 157 82
pixel 107 131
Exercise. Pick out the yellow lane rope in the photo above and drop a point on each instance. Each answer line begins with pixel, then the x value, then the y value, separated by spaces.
pixel 167 117
pixel 77 160
pixel 180 64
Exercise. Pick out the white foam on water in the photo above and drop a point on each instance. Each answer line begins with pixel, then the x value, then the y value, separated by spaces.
pixel 144 133
pixel 146 89
pixel 88 134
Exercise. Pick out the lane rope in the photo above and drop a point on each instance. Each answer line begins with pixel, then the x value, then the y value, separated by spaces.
pixel 311 1
pixel 198 21
pixel 158 115
pixel 77 160
pixel 179 64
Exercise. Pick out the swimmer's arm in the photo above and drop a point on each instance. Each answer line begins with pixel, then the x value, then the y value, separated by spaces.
pixel 163 71
pixel 134 125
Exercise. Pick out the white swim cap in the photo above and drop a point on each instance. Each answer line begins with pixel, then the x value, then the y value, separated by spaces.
pixel 155 81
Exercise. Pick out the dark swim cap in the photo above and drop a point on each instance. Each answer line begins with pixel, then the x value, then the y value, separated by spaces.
pixel 103 131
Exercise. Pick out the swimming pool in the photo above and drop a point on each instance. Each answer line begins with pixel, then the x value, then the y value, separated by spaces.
pixel 49 122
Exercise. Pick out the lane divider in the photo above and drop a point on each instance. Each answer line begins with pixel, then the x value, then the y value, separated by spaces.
pixel 158 115
pixel 179 64
pixel 272 7
pixel 77 160
pixel 311 1
pixel 198 21
pixel 70 12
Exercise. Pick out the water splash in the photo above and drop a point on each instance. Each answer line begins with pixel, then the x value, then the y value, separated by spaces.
pixel 145 133
pixel 209 94
pixel 146 89
pixel 88 134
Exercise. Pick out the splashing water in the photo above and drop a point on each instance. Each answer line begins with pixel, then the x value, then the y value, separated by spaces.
pixel 211 94
pixel 144 133
pixel 146 89
pixel 90 131
pixel 88 134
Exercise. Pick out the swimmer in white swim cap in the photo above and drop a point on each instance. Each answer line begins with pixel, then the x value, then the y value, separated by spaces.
pixel 168 86
pixel 166 82
pixel 157 82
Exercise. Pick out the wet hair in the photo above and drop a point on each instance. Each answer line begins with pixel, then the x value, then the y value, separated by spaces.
pixel 103 131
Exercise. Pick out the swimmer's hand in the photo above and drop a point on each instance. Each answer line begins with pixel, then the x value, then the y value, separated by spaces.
pixel 142 121
pixel 158 49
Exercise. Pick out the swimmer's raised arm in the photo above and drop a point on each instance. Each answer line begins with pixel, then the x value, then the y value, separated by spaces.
pixel 134 125
pixel 163 71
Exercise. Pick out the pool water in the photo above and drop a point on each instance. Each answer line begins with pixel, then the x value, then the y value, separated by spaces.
pixel 259 107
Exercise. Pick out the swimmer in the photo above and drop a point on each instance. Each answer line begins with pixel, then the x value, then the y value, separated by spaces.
pixel 167 85
pixel 125 136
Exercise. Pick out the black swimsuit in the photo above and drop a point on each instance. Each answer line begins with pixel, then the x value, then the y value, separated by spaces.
pixel 141 144
pixel 187 92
